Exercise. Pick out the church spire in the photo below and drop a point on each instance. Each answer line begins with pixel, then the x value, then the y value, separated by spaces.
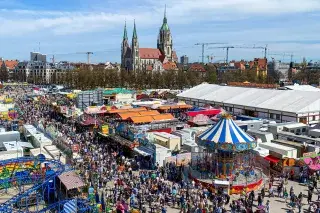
pixel 125 35
pixel 165 14
pixel 134 30
pixel 165 26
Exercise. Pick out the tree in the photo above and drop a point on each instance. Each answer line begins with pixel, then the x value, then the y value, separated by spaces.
pixel 4 75
pixel 181 79
pixel 211 74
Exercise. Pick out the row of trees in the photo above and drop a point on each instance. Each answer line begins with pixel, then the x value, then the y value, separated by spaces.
pixel 99 77
pixel 89 79
pixel 92 77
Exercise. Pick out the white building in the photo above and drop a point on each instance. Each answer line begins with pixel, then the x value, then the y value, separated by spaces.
pixel 13 149
pixel 277 105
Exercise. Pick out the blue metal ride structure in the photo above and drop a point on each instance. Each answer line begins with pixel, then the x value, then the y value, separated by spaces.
pixel 43 196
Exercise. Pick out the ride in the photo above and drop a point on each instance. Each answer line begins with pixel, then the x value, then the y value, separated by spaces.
pixel 228 158
pixel 35 180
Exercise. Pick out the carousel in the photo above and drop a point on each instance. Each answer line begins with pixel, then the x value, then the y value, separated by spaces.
pixel 227 160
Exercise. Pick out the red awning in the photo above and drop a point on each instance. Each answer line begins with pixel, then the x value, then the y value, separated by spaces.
pixel 272 159
pixel 209 112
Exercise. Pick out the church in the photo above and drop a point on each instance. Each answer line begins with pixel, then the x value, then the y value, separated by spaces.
pixel 152 59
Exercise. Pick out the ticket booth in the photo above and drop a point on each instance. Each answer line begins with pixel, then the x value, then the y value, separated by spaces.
pixel 221 186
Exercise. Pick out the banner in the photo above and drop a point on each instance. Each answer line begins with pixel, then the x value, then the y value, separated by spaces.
pixel 171 159
pixel 105 129
pixel 180 159
pixel 183 159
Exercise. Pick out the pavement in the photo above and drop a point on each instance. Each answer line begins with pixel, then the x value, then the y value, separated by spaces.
pixel 277 204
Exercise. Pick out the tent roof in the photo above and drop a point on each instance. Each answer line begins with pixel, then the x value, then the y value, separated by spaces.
pixel 226 135
pixel 71 180
pixel 279 100
pixel 141 119
pixel 117 91
pixel 151 118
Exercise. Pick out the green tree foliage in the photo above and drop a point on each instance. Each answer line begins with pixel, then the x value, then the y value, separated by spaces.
pixel 3 73
pixel 92 77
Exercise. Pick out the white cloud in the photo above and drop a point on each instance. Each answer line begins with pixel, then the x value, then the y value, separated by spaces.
pixel 191 21
pixel 150 14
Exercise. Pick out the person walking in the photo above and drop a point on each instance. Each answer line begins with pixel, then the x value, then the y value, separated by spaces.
pixel 259 200
pixel 267 208
pixel 309 196
pixel 285 194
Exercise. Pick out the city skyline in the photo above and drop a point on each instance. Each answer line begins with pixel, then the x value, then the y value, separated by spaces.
pixel 64 28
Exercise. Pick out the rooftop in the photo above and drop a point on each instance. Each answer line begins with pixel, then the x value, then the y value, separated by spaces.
pixel 279 100
pixel 149 53
pixel 314 130
pixel 267 145
pixel 166 135
pixel 295 125
pixel 71 180
pixel 298 87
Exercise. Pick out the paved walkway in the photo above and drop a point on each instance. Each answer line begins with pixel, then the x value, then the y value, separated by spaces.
pixel 277 204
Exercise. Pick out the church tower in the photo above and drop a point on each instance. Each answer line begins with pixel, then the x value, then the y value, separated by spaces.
pixel 135 49
pixel 125 49
pixel 164 39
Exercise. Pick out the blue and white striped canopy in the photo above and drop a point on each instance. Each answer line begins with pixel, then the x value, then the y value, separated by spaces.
pixel 70 206
pixel 227 135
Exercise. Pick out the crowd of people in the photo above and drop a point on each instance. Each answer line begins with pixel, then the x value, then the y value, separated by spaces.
pixel 127 186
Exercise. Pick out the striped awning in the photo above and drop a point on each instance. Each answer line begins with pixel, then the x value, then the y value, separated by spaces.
pixel 70 206
pixel 71 180
pixel 226 135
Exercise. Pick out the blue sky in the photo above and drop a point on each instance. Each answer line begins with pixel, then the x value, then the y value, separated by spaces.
pixel 65 27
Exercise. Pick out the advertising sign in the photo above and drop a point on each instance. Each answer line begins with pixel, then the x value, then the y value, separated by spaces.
pixel 105 129
pixel 180 159
pixel 309 154
pixel 183 159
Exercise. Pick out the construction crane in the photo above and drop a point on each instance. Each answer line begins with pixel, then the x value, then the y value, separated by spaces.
pixel 255 47
pixel 88 55
pixel 283 55
pixel 225 47
pixel 205 44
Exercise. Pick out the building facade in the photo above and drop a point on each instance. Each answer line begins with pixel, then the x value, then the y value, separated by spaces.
pixel 276 67
pixel 135 58
pixel 38 70
pixel 184 59
pixel 7 68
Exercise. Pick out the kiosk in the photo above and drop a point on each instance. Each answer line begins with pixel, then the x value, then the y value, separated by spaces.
pixel 221 186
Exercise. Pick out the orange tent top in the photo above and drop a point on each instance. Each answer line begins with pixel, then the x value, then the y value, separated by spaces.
pixel 149 112
pixel 126 115
pixel 163 117
pixel 137 109
pixel 141 119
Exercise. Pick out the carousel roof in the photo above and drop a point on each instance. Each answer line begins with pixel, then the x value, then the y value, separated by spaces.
pixel 225 132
